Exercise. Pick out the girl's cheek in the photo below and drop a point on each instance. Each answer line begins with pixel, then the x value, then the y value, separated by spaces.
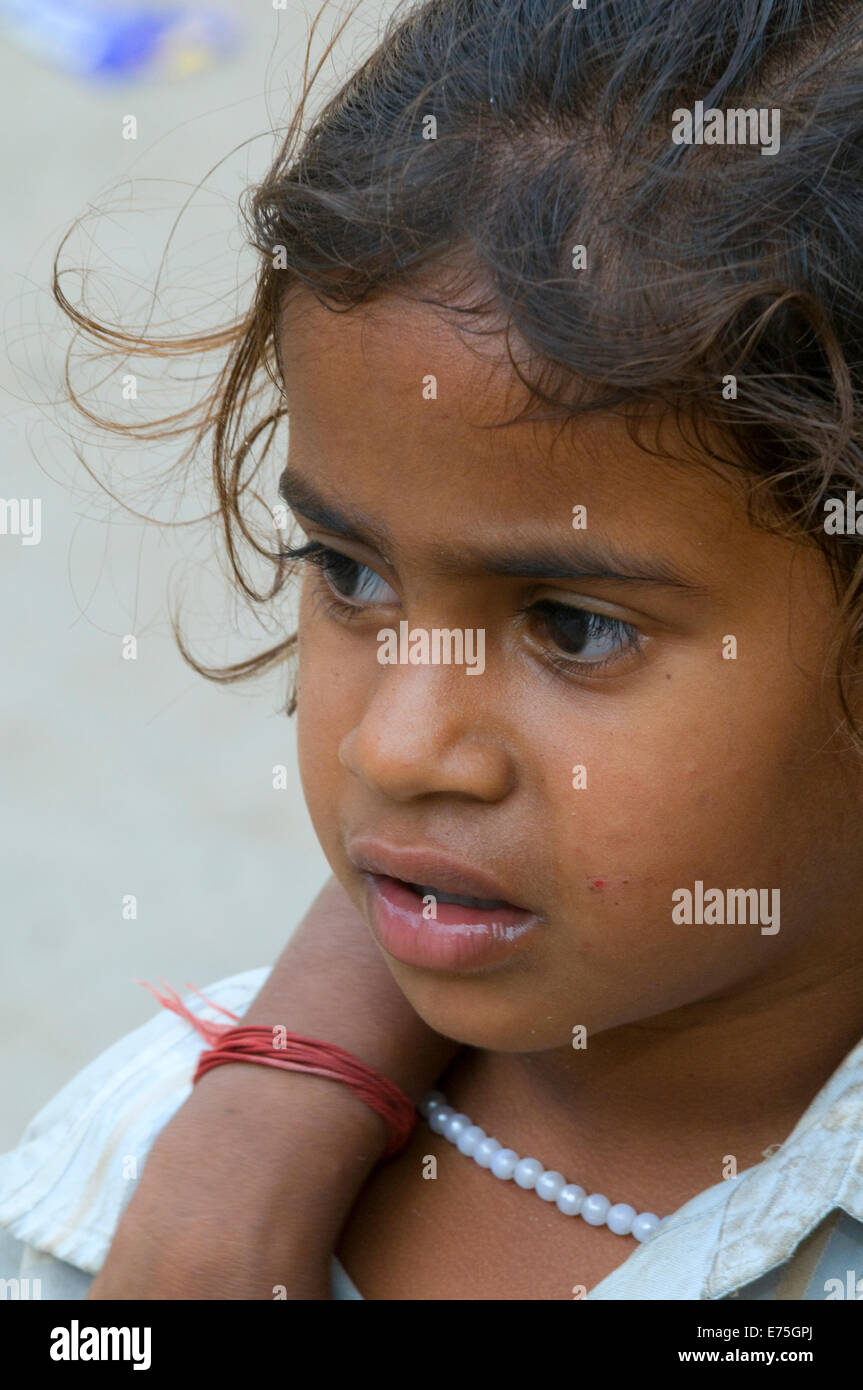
pixel 632 824
pixel 317 753
pixel 320 698
pixel 332 693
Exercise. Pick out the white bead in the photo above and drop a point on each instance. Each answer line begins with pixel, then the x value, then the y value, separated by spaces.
pixel 594 1209
pixel 485 1151
pixel 549 1185
pixel 503 1163
pixel 570 1198
pixel 439 1117
pixel 455 1125
pixel 526 1172
pixel 644 1225
pixel 620 1218
pixel 430 1101
pixel 468 1140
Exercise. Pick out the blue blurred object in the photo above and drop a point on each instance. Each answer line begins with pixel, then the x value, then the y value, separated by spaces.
pixel 110 41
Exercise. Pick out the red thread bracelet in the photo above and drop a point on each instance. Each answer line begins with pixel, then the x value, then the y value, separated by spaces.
pixel 248 1043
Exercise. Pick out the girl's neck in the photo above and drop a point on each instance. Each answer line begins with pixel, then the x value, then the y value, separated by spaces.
pixel 653 1111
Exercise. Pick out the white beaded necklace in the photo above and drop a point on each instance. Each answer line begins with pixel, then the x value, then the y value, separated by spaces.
pixel 530 1174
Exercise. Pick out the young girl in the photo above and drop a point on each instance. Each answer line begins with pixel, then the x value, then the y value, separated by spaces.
pixel 561 303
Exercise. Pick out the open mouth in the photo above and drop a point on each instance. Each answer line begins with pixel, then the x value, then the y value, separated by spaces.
pixel 432 908
pixel 426 890
pixel 426 926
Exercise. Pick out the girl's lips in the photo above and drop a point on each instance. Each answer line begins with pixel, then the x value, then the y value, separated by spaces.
pixel 456 938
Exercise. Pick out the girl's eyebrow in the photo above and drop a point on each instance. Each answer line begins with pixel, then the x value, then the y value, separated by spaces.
pixel 592 559
pixel 301 497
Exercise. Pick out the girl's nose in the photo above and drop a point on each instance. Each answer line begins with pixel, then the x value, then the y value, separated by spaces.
pixel 425 731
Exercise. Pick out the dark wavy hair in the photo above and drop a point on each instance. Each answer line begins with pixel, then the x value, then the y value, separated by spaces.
pixel 553 129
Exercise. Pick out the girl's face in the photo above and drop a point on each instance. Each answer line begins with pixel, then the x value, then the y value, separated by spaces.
pixel 638 707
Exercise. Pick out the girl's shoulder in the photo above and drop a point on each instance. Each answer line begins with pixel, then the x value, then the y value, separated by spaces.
pixel 66 1185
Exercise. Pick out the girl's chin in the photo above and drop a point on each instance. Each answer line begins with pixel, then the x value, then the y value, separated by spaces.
pixel 487 1012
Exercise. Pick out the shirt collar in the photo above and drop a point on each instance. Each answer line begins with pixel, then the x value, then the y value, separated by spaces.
pixel 817 1169
pixel 743 1227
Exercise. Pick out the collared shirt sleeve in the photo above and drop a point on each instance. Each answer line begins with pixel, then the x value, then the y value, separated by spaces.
pixel 66 1185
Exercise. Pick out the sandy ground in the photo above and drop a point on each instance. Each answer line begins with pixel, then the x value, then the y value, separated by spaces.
pixel 128 777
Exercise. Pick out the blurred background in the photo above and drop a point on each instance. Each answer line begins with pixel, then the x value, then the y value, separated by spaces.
pixel 132 777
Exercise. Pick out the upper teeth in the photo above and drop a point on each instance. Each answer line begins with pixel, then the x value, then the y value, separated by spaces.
pixel 461 898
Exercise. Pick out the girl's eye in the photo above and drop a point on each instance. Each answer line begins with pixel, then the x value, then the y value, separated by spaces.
pixel 585 638
pixel 348 579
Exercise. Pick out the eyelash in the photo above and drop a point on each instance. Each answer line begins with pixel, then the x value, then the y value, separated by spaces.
pixel 599 624
pixel 313 553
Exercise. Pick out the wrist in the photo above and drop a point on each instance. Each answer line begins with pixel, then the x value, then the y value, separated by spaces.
pixel 245 1190
pixel 287 1110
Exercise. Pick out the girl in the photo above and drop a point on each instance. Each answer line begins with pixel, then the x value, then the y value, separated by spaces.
pixel 573 382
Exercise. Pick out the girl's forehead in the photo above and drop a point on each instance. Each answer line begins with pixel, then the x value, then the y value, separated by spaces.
pixel 388 346
pixel 394 399
pixel 394 432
